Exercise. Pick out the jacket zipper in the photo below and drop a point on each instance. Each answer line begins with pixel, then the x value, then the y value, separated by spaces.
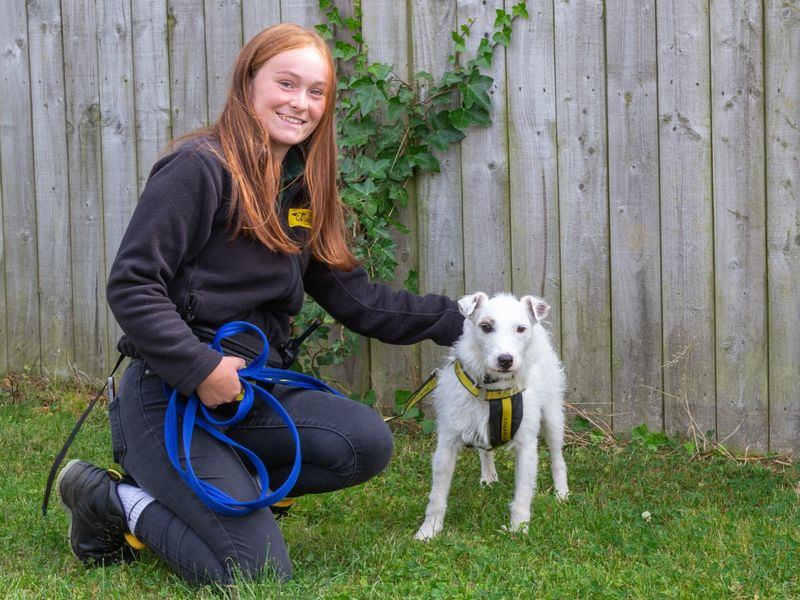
pixel 188 313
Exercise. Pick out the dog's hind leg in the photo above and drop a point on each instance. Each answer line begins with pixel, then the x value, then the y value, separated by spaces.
pixel 553 421
pixel 444 463
pixel 525 473
pixel 488 472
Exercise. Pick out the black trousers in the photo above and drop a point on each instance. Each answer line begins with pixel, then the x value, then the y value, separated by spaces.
pixel 343 443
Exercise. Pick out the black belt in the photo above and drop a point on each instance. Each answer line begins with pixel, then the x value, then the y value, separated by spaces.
pixel 243 345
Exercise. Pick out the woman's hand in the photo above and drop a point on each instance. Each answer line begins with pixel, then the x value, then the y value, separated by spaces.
pixel 222 385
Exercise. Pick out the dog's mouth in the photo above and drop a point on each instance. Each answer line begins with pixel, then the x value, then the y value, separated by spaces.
pixel 496 374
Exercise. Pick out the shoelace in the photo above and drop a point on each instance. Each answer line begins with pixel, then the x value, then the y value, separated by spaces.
pixel 195 414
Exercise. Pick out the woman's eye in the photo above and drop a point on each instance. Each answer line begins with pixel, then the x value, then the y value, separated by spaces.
pixel 486 327
pixel 286 84
pixel 317 92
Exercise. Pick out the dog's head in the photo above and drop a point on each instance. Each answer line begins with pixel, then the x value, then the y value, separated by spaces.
pixel 498 330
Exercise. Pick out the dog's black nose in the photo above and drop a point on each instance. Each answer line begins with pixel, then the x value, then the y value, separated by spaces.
pixel 505 361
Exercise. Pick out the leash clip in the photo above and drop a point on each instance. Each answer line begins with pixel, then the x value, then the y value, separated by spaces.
pixel 290 350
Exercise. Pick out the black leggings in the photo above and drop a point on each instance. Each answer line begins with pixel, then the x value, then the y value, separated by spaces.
pixel 343 443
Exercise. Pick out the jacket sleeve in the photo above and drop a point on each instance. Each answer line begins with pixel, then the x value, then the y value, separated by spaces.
pixel 375 310
pixel 168 228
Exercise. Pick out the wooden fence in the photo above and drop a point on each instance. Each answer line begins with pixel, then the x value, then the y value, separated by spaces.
pixel 642 174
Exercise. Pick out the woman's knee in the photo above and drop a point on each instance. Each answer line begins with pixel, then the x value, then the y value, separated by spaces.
pixel 374 444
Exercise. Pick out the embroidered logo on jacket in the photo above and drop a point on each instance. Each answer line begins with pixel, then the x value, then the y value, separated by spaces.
pixel 300 217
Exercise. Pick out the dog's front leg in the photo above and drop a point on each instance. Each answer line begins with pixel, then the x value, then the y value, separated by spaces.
pixel 444 463
pixel 554 434
pixel 488 472
pixel 526 468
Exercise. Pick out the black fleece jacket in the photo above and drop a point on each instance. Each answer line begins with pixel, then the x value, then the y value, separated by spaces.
pixel 177 267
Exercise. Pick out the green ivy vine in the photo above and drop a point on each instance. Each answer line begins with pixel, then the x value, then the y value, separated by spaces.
pixel 389 131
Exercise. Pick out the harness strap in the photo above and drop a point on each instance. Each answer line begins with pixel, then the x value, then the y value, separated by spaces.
pixel 505 415
pixel 71 438
pixel 505 407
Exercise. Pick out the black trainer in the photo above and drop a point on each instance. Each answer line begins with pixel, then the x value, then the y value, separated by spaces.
pixel 97 520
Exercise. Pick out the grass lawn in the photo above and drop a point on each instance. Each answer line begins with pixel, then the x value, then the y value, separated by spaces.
pixel 716 528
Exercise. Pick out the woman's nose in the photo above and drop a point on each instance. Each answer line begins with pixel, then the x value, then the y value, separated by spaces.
pixel 298 101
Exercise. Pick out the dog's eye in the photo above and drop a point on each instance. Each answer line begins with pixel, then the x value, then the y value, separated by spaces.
pixel 486 327
pixel 522 329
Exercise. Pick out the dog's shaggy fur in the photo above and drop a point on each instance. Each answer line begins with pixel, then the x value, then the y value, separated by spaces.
pixel 505 344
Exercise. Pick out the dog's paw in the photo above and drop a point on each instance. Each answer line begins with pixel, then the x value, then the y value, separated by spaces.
pixel 428 530
pixel 562 494
pixel 489 480
pixel 520 528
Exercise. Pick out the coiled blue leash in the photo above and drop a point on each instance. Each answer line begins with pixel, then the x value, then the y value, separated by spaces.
pixel 256 371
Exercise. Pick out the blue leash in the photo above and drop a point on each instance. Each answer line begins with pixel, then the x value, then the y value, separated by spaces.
pixel 256 371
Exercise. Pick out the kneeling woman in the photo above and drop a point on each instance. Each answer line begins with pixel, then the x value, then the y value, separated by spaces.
pixel 237 223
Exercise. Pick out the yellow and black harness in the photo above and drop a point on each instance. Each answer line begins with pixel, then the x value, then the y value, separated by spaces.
pixel 505 405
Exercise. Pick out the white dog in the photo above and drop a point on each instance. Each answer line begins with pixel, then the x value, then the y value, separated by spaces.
pixel 503 379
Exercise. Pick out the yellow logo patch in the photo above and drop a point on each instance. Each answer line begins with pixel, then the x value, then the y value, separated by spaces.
pixel 300 217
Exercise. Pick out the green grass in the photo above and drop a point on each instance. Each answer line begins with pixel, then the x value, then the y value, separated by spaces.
pixel 717 529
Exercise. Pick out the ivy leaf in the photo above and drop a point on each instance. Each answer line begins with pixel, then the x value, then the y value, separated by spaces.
pixel 460 118
pixel 503 36
pixel 476 91
pixel 520 10
pixel 324 31
pixel 367 93
pixel 412 281
pixel 444 132
pixel 396 109
pixel 502 19
pixel 365 188
pixel 344 51
pixel 420 157
pixel 459 44
pixel 379 71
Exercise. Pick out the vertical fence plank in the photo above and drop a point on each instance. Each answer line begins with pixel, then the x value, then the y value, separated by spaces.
pixel 385 25
pixel 302 12
pixel 151 84
pixel 223 25
pixel 687 232
pixel 52 188
pixel 634 214
pixel 117 118
pixel 257 15
pixel 484 170
pixel 439 221
pixel 187 66
pixel 737 88
pixel 19 290
pixel 533 169
pixel 81 78
pixel 583 201
pixel 783 225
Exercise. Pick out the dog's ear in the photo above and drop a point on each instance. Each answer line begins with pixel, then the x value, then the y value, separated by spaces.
pixel 468 304
pixel 537 307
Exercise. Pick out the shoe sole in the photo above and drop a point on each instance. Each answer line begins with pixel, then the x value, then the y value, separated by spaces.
pixel 61 475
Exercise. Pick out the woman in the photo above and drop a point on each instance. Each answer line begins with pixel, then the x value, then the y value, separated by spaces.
pixel 238 223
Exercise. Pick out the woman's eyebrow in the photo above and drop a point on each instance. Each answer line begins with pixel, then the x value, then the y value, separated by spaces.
pixel 296 76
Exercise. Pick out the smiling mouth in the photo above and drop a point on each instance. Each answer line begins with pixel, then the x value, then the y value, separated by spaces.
pixel 290 120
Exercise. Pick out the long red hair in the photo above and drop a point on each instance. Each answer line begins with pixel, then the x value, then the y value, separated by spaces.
pixel 255 171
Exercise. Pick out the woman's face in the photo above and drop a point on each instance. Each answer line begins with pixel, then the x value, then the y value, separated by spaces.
pixel 288 94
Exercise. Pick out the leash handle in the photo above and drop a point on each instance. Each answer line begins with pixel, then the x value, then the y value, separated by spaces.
pixel 71 438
